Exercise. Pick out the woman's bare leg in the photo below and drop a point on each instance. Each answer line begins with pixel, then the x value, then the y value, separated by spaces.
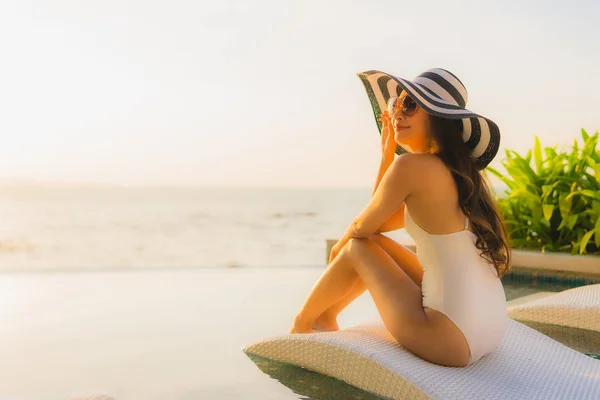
pixel 327 321
pixel 404 257
pixel 335 283
pixel 397 297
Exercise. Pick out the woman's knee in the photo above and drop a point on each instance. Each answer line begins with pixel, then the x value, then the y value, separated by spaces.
pixel 357 245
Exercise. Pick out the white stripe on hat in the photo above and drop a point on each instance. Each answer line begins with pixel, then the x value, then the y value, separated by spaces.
pixel 391 87
pixel 450 78
pixel 484 139
pixel 436 88
pixel 466 129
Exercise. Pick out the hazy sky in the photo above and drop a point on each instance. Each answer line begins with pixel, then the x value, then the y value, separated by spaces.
pixel 265 92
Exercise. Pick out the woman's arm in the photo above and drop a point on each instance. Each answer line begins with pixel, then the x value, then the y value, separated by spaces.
pixel 383 167
pixel 351 229
pixel 397 220
pixel 388 153
pixel 386 201
pixel 388 148
pixel 395 187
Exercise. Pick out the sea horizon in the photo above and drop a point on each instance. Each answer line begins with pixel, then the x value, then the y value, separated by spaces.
pixel 59 227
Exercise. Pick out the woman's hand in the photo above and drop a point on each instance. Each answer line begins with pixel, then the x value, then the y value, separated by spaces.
pixel 337 247
pixel 388 143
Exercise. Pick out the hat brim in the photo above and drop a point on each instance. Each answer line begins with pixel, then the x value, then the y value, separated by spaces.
pixel 481 134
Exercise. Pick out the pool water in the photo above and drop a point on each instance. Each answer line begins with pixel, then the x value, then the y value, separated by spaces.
pixel 310 385
pixel 515 290
pixel 165 334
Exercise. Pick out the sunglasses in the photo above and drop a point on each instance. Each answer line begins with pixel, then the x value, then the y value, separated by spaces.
pixel 408 106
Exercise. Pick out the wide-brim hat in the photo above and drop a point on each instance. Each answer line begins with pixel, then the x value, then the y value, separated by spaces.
pixel 440 93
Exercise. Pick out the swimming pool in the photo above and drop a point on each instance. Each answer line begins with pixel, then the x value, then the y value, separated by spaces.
pixel 158 334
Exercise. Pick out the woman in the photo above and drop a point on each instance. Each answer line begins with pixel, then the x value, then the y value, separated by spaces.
pixel 445 304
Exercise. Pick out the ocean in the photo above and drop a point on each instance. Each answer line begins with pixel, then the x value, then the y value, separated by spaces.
pixel 64 227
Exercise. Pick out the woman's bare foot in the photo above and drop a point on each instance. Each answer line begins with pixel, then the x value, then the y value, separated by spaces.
pixel 326 323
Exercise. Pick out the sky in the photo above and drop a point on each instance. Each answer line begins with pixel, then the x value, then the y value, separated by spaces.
pixel 265 93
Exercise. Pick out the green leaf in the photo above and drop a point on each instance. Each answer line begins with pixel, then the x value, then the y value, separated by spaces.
pixel 584 134
pixel 523 164
pixel 564 205
pixel 563 223
pixel 525 195
pixel 591 162
pixel 596 207
pixel 546 189
pixel 586 192
pixel 572 220
pixel 589 146
pixel 537 212
pixel 503 178
pixel 548 210
pixel 537 155
pixel 550 152
pixel 585 240
pixel 573 157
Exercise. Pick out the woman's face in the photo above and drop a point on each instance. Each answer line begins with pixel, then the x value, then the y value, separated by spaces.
pixel 411 132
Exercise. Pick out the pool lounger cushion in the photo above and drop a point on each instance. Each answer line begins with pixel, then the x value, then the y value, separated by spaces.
pixel 526 365
pixel 571 317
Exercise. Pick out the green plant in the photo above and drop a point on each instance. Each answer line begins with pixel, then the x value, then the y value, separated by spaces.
pixel 556 206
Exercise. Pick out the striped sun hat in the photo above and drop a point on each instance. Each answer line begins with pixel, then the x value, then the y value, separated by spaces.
pixel 440 93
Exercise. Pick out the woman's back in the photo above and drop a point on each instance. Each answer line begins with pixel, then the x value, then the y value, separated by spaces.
pixel 433 203
pixel 457 281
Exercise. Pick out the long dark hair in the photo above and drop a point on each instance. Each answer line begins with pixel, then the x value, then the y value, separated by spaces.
pixel 474 193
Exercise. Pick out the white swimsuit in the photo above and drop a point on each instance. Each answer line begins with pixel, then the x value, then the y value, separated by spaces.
pixel 460 284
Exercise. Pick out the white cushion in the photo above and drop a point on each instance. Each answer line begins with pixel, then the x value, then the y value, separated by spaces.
pixel 577 307
pixel 526 365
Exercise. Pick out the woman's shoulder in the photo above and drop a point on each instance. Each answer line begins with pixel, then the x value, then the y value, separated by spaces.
pixel 426 163
pixel 430 173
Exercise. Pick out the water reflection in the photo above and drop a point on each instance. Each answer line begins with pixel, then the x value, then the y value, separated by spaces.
pixel 308 384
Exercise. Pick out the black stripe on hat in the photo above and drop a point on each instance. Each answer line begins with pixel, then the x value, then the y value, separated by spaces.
pixel 455 77
pixel 371 72
pixel 437 96
pixel 372 99
pixel 475 133
pixel 492 147
pixel 382 82
pixel 447 86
